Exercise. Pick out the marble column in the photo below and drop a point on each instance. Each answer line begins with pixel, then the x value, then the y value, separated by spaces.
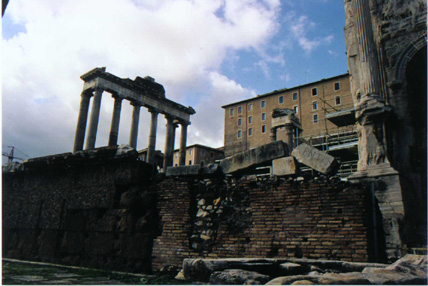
pixel 169 142
pixel 289 135
pixel 93 124
pixel 133 134
pixel 114 129
pixel 183 140
pixel 273 134
pixel 152 137
pixel 79 136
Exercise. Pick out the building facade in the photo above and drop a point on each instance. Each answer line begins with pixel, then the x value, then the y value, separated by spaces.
pixel 199 155
pixel 324 108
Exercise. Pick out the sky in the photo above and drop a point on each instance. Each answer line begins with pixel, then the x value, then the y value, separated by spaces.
pixel 206 53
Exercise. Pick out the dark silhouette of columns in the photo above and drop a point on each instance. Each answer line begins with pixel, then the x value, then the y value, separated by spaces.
pixel 79 136
pixel 114 129
pixel 183 140
pixel 93 124
pixel 152 137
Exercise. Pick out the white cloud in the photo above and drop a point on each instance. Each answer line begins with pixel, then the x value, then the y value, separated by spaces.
pixel 300 28
pixel 181 43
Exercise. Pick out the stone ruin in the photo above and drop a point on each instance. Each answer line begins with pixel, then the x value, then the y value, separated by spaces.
pixel 140 92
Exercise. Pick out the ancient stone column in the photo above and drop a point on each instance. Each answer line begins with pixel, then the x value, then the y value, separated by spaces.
pixel 169 142
pixel 133 134
pixel 273 134
pixel 93 124
pixel 289 135
pixel 79 136
pixel 152 137
pixel 114 129
pixel 369 70
pixel 183 140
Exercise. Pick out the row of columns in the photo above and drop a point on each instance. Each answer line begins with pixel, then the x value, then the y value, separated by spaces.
pixel 171 125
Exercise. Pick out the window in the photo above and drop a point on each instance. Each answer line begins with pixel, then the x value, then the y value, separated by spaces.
pixel 336 85
pixel 202 163
pixel 315 118
pixel 295 96
pixel 296 109
pixel 263 128
pixel 250 119
pixel 239 133
pixel 263 116
pixel 240 109
pixel 250 131
pixel 315 105
pixel 239 121
pixel 212 155
pixel 190 162
pixel 338 101
pixel 250 107
pixel 314 91
pixel 203 152
pixel 281 99
pixel 263 103
pixel 231 112
pixel 190 151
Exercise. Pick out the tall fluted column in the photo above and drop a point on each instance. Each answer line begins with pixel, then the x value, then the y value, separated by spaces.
pixel 114 129
pixel 183 140
pixel 169 142
pixel 133 134
pixel 79 136
pixel 93 124
pixel 152 137
pixel 369 70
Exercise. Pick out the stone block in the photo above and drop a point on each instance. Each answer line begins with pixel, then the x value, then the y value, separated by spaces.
pixel 192 170
pixel 259 156
pixel 315 159
pixel 286 166
pixel 211 169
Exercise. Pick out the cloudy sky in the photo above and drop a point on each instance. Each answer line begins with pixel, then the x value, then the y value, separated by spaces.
pixel 206 53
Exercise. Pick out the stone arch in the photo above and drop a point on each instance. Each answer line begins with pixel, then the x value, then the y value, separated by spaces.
pixel 406 56
pixel 409 133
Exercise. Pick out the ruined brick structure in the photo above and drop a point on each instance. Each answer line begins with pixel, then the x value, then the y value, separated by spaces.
pixel 92 209
pixel 106 209
pixel 263 218
pixel 386 47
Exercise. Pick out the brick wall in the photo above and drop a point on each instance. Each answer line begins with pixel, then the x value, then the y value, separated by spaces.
pixel 271 218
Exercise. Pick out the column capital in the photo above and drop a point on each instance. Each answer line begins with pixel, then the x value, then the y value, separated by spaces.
pixel 153 110
pixel 116 96
pixel 184 123
pixel 134 103
pixel 87 93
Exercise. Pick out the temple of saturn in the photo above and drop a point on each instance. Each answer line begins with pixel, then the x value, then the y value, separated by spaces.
pixel 140 92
